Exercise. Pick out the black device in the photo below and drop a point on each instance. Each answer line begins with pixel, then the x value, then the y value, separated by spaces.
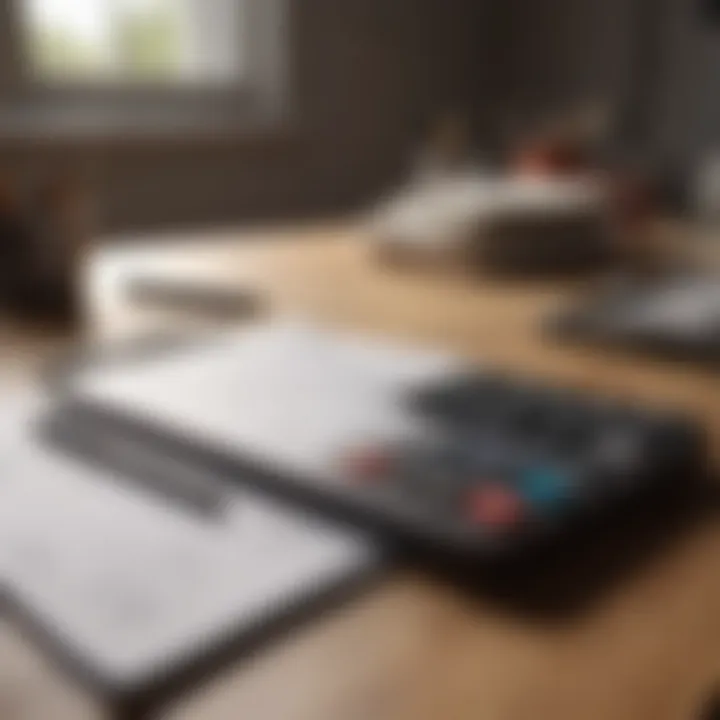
pixel 453 461
pixel 712 712
pixel 676 317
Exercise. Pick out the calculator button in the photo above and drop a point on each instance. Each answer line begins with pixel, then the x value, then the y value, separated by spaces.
pixel 369 464
pixel 545 489
pixel 495 506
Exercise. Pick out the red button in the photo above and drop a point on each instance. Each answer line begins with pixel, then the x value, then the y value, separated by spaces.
pixel 370 463
pixel 496 506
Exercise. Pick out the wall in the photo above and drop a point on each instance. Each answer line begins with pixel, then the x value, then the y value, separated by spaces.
pixel 653 60
pixel 364 74
pixel 555 52
pixel 690 100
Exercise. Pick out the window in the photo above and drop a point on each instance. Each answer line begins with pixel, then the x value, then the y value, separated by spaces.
pixel 133 42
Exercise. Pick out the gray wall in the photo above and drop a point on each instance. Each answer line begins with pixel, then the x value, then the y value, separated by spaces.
pixel 364 75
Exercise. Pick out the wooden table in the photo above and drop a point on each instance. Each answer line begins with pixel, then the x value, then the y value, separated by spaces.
pixel 414 648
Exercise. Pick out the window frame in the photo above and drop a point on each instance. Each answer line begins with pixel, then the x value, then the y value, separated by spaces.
pixel 256 98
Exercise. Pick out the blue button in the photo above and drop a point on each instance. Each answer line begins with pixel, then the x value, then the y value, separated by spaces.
pixel 545 488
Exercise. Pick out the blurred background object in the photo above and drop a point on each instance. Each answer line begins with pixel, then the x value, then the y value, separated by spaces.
pixel 44 236
pixel 545 209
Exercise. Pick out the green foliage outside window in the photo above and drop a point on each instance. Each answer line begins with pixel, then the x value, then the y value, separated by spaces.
pixel 145 45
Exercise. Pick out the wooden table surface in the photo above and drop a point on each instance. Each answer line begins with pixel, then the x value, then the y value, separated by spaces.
pixel 414 648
